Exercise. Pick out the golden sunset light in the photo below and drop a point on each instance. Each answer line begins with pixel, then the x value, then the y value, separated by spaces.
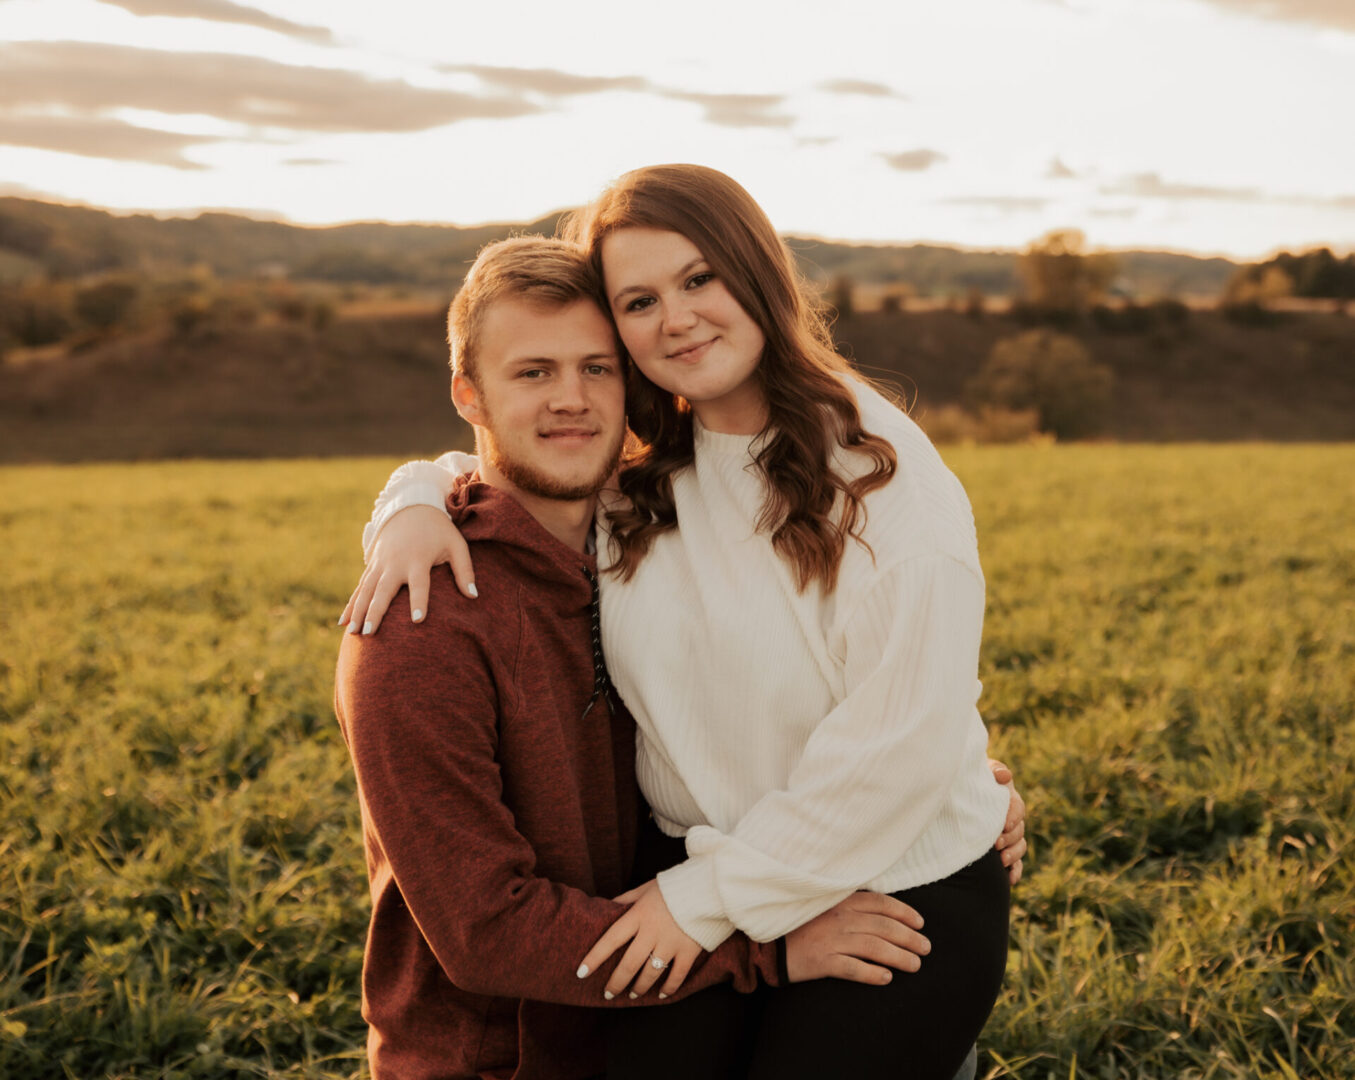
pixel 1197 125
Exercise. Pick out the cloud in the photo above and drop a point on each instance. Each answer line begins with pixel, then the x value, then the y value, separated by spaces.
pixel 224 11
pixel 1114 211
pixel 1008 204
pixel 1338 14
pixel 547 80
pixel 860 86
pixel 1150 185
pixel 312 161
pixel 736 110
pixel 919 160
pixel 243 89
pixel 1058 170
pixel 101 138
pixel 816 140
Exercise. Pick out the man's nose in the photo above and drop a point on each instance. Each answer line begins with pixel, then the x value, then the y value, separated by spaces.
pixel 570 394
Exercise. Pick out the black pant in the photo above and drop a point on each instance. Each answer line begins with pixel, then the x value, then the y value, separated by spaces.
pixel 921 1025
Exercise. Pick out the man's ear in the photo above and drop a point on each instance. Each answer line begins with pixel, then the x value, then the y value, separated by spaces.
pixel 466 398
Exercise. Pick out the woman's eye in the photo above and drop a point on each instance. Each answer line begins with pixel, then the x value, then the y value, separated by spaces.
pixel 640 303
pixel 697 280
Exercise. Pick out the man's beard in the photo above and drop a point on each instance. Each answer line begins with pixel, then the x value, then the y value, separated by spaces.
pixel 533 481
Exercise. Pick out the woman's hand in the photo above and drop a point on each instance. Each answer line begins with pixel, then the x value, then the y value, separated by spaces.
pixel 858 940
pixel 1012 842
pixel 652 933
pixel 413 542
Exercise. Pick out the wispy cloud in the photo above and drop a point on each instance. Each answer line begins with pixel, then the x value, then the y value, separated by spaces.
pixel 1007 204
pixel 227 12
pixel 736 110
pixel 864 87
pixel 1058 170
pixel 919 160
pixel 312 161
pixel 547 81
pixel 92 77
pixel 1338 14
pixel 101 138
pixel 1150 185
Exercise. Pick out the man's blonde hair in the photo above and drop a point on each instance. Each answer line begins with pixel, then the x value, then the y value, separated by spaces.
pixel 535 268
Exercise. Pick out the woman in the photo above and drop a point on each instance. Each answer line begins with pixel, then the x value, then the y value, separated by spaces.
pixel 792 613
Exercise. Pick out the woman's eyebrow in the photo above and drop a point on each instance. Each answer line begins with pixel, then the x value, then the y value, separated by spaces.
pixel 644 288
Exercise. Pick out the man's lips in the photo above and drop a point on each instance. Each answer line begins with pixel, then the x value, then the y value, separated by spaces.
pixel 692 352
pixel 568 433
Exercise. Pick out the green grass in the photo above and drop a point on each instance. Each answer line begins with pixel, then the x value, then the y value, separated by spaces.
pixel 1169 665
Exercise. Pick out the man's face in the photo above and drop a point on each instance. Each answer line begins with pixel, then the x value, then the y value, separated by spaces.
pixel 549 397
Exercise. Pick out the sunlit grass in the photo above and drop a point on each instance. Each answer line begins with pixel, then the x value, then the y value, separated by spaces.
pixel 1169 664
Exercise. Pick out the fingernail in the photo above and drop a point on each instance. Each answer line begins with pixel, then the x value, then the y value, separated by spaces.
pixel 353 628
pixel 889 976
pixel 367 627
pixel 662 996
pixel 633 995
pixel 342 621
pixel 608 995
pixel 472 591
pixel 582 973
pixel 417 614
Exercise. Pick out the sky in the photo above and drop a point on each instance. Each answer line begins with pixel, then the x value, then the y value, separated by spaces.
pixel 1209 126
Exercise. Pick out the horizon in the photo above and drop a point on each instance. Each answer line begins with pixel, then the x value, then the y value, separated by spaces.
pixel 277 218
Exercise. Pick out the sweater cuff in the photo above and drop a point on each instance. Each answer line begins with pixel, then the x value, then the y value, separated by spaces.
pixel 693 900
pixel 418 483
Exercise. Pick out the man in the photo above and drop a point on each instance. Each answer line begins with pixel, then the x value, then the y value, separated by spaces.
pixel 495 765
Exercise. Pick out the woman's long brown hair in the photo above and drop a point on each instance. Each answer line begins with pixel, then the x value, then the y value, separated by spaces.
pixel 810 411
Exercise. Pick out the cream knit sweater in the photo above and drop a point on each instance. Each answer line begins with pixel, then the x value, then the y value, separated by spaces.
pixel 807 744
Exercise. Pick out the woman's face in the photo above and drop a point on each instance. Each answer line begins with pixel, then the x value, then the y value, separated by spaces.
pixel 683 328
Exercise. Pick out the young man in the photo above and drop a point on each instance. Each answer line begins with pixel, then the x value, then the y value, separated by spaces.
pixel 495 765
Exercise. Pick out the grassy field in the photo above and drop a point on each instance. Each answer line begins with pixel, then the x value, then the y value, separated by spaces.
pixel 1169 665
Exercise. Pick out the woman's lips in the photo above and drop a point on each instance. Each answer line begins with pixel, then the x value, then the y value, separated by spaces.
pixel 692 352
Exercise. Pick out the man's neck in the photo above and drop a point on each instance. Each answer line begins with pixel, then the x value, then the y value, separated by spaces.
pixel 568 520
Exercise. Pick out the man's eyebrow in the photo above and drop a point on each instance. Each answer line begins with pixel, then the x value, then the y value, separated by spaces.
pixel 644 288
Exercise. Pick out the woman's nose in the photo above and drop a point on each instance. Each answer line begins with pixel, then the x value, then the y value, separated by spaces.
pixel 678 316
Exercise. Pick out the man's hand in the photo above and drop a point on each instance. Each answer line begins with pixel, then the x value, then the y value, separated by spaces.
pixel 1012 842
pixel 652 933
pixel 413 542
pixel 858 940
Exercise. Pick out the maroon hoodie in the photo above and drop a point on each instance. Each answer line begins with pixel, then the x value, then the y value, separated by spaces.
pixel 498 811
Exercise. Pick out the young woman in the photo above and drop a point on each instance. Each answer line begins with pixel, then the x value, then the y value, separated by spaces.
pixel 792 612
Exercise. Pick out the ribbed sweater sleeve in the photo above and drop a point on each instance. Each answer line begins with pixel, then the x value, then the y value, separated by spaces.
pixel 419 714
pixel 415 483
pixel 873 772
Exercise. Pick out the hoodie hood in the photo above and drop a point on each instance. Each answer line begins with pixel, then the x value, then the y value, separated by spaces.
pixel 484 513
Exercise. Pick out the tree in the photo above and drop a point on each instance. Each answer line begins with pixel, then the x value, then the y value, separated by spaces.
pixel 1060 275
pixel 1051 373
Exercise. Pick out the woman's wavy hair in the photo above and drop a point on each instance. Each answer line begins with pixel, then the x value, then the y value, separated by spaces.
pixel 810 411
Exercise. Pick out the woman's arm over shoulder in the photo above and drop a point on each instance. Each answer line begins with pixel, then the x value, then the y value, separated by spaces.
pixel 415 483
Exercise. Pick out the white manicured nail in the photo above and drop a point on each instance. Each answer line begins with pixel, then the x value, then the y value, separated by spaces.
pixel 472 591
pixel 633 995
pixel 608 995
pixel 367 627
pixel 353 627
pixel 582 973
pixel 662 995
pixel 417 614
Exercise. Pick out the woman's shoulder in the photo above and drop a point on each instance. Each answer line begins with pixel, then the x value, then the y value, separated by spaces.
pixel 923 508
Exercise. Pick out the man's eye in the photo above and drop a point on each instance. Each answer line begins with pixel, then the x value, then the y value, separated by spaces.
pixel 599 369
pixel 532 373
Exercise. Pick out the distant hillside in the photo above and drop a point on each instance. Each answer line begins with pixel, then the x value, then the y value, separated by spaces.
pixel 379 384
pixel 69 241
